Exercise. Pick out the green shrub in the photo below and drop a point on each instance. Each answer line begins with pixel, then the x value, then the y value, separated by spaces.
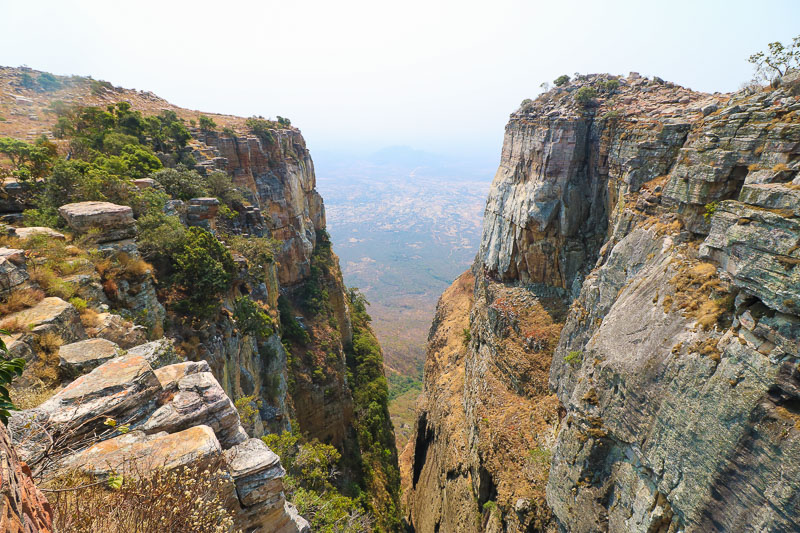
pixel 204 268
pixel 490 507
pixel 47 82
pixel 466 336
pixel 609 86
pixel 561 80
pixel 262 129
pixel 290 327
pixel 181 183
pixel 710 209
pixel 251 319
pixel 574 358
pixel 585 95
pixel 10 368
pixel 207 123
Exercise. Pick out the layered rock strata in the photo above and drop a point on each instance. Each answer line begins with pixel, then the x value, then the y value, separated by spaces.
pixel 668 218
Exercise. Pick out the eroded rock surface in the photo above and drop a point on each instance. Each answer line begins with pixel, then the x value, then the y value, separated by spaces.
pixel 669 218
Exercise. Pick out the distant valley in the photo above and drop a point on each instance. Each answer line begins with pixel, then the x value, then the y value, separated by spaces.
pixel 403 233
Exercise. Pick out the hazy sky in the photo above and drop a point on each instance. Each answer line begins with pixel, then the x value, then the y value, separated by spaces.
pixel 361 74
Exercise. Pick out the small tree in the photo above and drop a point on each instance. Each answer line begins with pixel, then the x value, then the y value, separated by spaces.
pixel 207 123
pixel 777 61
pixel 585 95
pixel 561 80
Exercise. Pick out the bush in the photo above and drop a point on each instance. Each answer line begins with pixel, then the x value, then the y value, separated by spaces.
pixel 207 123
pixel 191 498
pixel 574 358
pixel 262 129
pixel 181 183
pixel 561 80
pixel 290 327
pixel 10 368
pixel 585 95
pixel 204 268
pixel 251 319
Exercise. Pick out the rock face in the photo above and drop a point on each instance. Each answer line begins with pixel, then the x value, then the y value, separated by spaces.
pixel 669 218
pixel 83 356
pixel 280 176
pixel 107 221
pixel 23 508
pixel 174 415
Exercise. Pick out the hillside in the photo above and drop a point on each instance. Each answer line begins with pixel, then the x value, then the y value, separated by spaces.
pixel 622 355
pixel 130 220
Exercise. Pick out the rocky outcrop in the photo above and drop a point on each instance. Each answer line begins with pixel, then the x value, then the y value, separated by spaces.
pixel 83 356
pixel 279 174
pixel 23 508
pixel 669 219
pixel 105 221
pixel 165 417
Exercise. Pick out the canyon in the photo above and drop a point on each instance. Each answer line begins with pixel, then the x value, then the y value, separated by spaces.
pixel 622 355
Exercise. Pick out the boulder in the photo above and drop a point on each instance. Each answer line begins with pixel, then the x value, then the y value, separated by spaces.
pixel 199 399
pixel 158 353
pixel 138 452
pixel 124 388
pixel 145 183
pixel 12 274
pixel 108 222
pixel 169 376
pixel 256 471
pixel 83 356
pixel 116 329
pixel 27 233
pixel 51 315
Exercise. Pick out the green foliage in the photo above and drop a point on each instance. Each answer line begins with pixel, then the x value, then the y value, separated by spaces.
pixel 283 121
pixel 574 358
pixel 207 123
pixel 777 60
pixel 204 268
pixel 490 507
pixel 161 237
pixel 540 456
pixel 10 367
pixel 609 86
pixel 259 252
pixel 229 131
pixel 251 319
pixel 47 82
pixel 220 185
pixel 561 80
pixel 247 407
pixel 373 426
pixel 611 115
pixel 27 81
pixel 181 183
pixel 585 95
pixel 29 162
pixel 399 385
pixel 263 129
pixel 290 327
pixel 314 293
pixel 466 336
pixel 312 471
pixel 710 209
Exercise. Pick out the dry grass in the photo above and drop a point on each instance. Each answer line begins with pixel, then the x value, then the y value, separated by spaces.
pixel 30 397
pixel 21 299
pixel 90 318
pixel 13 325
pixel 707 348
pixel 49 281
pixel 185 499
pixel 188 348
pixel 699 294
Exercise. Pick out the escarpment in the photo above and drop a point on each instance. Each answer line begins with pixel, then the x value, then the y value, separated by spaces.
pixel 665 221
pixel 179 284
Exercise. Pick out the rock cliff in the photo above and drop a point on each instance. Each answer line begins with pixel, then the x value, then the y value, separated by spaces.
pixel 666 221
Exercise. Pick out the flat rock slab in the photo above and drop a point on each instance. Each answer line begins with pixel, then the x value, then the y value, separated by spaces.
pixel 112 222
pixel 83 356
pixel 256 471
pixel 158 353
pixel 169 376
pixel 139 453
pixel 52 315
pixel 199 399
pixel 27 233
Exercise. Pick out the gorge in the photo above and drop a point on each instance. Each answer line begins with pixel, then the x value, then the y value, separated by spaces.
pixel 622 355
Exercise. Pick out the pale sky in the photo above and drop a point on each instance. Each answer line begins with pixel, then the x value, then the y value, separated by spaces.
pixel 357 75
